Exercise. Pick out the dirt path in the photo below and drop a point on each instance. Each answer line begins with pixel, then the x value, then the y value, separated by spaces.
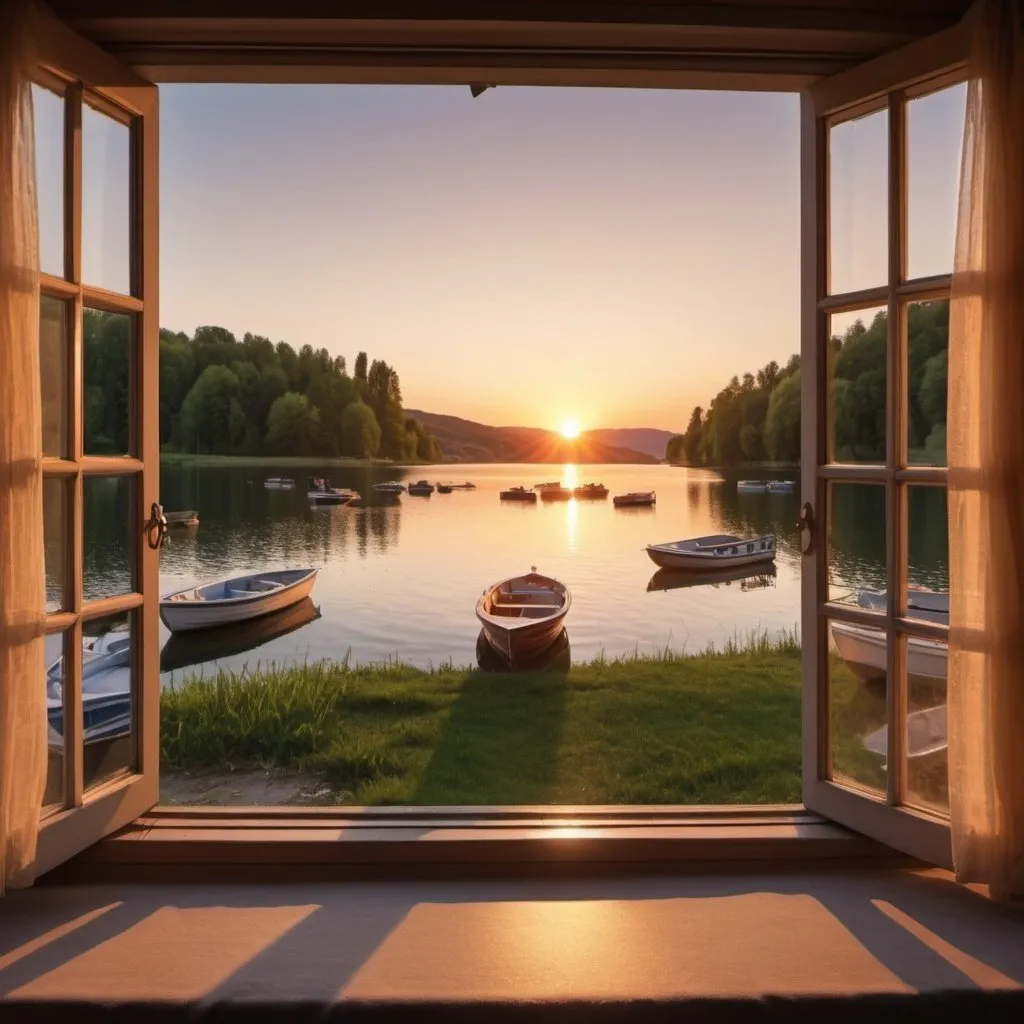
pixel 246 787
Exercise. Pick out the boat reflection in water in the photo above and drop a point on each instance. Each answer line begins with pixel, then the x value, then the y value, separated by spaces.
pixel 749 577
pixel 557 658
pixel 184 649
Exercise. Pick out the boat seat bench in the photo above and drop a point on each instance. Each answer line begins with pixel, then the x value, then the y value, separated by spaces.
pixel 527 604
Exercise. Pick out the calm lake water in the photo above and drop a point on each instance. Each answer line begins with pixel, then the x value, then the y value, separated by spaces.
pixel 401 580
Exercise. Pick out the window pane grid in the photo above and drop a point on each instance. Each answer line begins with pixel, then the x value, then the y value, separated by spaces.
pixel 898 472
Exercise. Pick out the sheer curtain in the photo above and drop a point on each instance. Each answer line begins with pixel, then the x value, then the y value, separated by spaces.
pixel 986 466
pixel 22 590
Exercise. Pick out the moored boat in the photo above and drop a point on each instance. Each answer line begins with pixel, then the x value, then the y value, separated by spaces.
pixel 235 600
pixel 279 483
pixel 553 492
pixel 635 499
pixel 422 488
pixel 721 550
pixel 320 492
pixel 444 488
pixel 927 736
pixel 517 494
pixel 591 491
pixel 190 517
pixel 752 486
pixel 522 616
pixel 866 651
pixel 390 487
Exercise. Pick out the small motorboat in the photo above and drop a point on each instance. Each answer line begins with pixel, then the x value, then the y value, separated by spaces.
pixel 279 483
pixel 190 517
pixel 866 651
pixel 749 577
pixel 781 486
pixel 421 488
pixel 235 600
pixel 926 735
pixel 752 486
pixel 522 616
pixel 517 494
pixel 635 499
pixel 184 649
pixel 390 487
pixel 553 492
pixel 720 550
pixel 320 492
pixel 444 488
pixel 591 491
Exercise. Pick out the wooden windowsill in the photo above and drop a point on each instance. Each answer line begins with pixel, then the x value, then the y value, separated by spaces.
pixel 186 843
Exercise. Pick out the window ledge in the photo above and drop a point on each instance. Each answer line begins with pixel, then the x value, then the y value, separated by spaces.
pixel 389 842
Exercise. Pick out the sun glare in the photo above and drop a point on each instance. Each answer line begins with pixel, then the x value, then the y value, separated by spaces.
pixel 570 429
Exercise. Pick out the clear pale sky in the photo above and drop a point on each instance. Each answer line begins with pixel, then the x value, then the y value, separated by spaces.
pixel 534 255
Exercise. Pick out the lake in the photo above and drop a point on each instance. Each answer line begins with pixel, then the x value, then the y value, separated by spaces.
pixel 401 581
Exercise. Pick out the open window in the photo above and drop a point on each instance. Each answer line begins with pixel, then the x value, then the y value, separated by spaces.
pixel 878 223
pixel 96 143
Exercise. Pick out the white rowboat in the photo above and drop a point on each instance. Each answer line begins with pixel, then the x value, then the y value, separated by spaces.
pixel 235 600
pixel 723 550
pixel 926 735
pixel 865 650
pixel 522 616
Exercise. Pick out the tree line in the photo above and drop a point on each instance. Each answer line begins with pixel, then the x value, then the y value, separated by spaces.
pixel 756 418
pixel 219 395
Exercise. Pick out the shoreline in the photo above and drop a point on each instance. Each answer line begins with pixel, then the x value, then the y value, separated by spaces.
pixel 186 459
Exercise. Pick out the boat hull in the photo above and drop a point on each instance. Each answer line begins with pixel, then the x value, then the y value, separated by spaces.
pixel 528 496
pixel 865 650
pixel 184 616
pixel 519 645
pixel 634 500
pixel 667 559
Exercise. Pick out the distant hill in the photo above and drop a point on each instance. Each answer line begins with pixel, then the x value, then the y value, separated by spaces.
pixel 466 441
pixel 640 439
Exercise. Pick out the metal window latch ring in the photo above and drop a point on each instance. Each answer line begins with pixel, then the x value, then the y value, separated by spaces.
pixel 805 527
pixel 156 527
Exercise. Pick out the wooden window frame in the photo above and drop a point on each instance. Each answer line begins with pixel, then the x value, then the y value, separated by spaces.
pixel 609 835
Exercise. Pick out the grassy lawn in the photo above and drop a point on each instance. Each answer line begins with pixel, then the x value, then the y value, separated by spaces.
pixel 186 459
pixel 713 728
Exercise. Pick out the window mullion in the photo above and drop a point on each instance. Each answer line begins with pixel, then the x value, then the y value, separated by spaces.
pixel 896 456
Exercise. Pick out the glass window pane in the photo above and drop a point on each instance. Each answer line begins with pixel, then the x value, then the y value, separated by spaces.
pixel 56 531
pixel 927 351
pixel 106 202
pixel 53 375
pixel 857 704
pixel 856 366
pixel 107 698
pixel 107 513
pixel 106 380
pixel 53 795
pixel 935 134
pixel 856 545
pixel 859 203
pixel 48 111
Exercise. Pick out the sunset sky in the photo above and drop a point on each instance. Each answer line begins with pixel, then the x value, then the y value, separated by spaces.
pixel 531 256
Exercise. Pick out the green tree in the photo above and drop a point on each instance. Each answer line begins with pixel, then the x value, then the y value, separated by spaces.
pixel 209 420
pixel 360 431
pixel 293 425
pixel 360 368
pixel 782 423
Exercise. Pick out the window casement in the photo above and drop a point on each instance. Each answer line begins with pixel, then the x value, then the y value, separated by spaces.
pixel 112 470
pixel 97 123
pixel 864 256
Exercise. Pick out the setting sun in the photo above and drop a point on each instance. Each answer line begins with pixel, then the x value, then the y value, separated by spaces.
pixel 570 429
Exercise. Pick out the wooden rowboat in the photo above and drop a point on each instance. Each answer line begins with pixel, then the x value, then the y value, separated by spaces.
pixel 235 600
pixel 517 494
pixel 522 616
pixel 722 550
